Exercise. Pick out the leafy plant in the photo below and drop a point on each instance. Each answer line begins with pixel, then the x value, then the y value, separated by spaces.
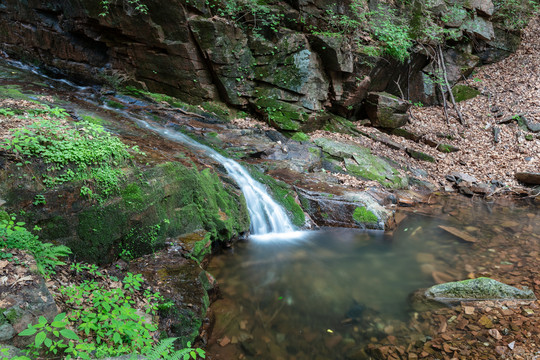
pixel 86 152
pixel 13 235
pixel 54 337
pixel 107 318
pixel 39 200
pixel 136 5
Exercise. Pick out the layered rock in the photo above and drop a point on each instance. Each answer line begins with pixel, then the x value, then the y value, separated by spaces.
pixel 189 50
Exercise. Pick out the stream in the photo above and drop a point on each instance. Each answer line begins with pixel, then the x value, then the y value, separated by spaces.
pixel 328 294
pixel 331 293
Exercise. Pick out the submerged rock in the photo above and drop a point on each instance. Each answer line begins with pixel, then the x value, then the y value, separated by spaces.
pixel 468 290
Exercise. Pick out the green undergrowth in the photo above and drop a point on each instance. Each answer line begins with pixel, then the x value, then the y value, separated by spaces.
pixel 82 151
pixel 14 235
pixel 283 194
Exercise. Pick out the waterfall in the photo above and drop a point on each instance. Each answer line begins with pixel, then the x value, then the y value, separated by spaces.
pixel 267 216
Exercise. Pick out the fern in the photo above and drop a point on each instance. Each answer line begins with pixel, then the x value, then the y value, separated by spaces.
pixel 163 350
pixel 160 348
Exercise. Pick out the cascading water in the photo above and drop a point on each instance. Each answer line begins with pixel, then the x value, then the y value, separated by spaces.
pixel 267 217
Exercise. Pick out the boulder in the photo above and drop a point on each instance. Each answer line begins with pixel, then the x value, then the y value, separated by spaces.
pixel 479 289
pixel 529 178
pixel 480 28
pixel 482 7
pixel 386 111
pixel 360 162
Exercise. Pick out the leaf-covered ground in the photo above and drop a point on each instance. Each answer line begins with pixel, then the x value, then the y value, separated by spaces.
pixel 508 88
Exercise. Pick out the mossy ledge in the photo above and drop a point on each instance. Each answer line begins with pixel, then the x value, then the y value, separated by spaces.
pixel 153 204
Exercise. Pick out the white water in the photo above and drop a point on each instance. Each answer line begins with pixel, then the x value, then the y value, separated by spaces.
pixel 267 216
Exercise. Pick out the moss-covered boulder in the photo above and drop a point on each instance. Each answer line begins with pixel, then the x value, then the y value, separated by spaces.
pixel 469 290
pixel 464 92
pixel 151 205
pixel 360 162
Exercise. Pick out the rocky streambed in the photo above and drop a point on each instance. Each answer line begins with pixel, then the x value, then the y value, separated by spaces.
pixel 177 200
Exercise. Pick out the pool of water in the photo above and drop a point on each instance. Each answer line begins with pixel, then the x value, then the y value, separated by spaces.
pixel 326 294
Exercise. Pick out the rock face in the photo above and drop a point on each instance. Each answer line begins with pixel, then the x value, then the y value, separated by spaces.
pixel 468 290
pixel 387 111
pixel 192 51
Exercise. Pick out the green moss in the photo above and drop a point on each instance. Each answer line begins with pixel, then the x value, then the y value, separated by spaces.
pixel 464 92
pixel 55 228
pixel 12 315
pixel 133 196
pixel 364 216
pixel 114 104
pixel 14 92
pixel 420 155
pixel 300 136
pixel 281 114
pixel 283 194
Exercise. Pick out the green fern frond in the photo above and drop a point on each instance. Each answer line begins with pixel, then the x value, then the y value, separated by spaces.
pixel 160 349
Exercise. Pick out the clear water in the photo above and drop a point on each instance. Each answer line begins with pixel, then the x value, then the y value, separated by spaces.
pixel 327 294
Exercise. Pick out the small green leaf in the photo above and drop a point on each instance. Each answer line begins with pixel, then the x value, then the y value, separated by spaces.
pixel 59 317
pixel 69 334
pixel 40 337
pixel 28 332
pixel 48 342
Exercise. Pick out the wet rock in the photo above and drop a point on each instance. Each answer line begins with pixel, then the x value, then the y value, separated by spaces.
pixel 468 290
pixel 386 110
pixel 529 178
pixel 342 210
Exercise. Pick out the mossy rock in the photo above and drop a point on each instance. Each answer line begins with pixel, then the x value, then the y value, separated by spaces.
pixel 360 162
pixel 281 114
pixel 364 216
pixel 464 92
pixel 420 155
pixel 468 290
pixel 166 201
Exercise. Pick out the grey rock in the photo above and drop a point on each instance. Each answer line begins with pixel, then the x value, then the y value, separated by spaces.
pixel 482 7
pixel 463 177
pixel 480 28
pixel 6 332
pixel 12 351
